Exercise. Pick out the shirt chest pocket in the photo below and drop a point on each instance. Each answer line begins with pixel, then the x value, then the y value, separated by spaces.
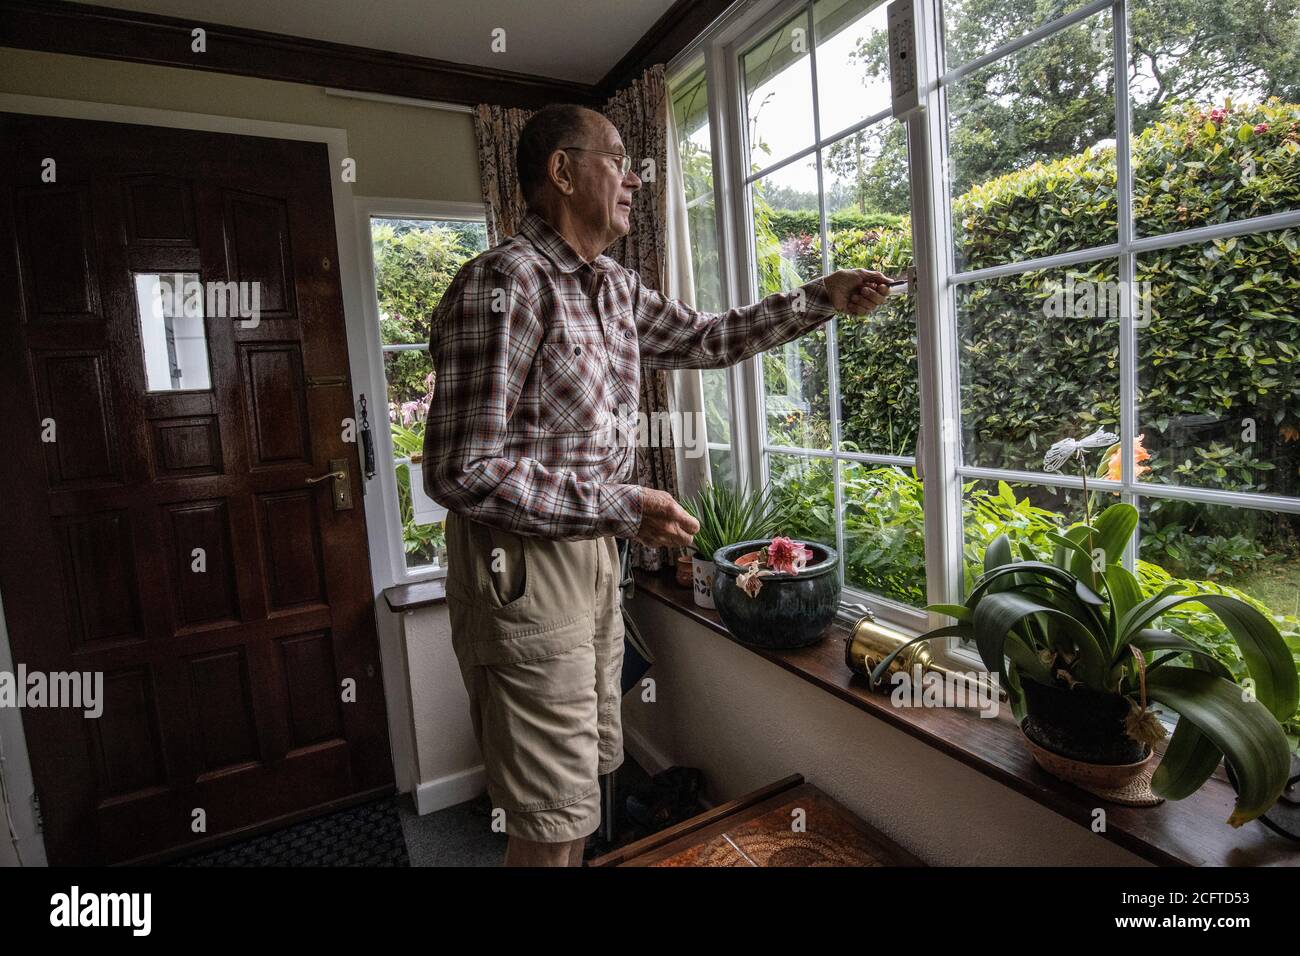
pixel 575 385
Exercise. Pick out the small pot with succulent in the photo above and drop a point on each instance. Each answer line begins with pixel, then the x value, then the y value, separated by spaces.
pixel 1078 646
pixel 727 516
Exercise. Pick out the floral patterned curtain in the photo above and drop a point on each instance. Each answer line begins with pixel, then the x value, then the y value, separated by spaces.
pixel 640 113
pixel 496 129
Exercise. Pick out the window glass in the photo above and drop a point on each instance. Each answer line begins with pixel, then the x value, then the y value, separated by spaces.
pixel 170 307
pixel 778 93
pixel 415 261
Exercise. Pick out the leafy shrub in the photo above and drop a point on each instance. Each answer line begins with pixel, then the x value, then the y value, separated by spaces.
pixel 884 544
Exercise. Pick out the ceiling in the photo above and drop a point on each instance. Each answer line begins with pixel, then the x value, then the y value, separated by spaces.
pixel 577 40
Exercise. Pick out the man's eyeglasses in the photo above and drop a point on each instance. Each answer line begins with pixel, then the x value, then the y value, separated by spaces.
pixel 624 160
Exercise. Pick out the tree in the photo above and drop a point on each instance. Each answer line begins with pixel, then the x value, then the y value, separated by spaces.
pixel 1056 97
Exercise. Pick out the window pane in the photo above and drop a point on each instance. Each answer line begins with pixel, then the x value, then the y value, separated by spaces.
pixel 795 393
pixel 170 306
pixel 410 383
pixel 691 114
pixel 1219 364
pixel 805 485
pixel 866 177
pixel 1025 513
pixel 1248 553
pixel 423 541
pixel 722 467
pixel 852 62
pixel 415 261
pixel 704 255
pixel 788 254
pixel 884 531
pixel 1208 145
pixel 1039 361
pixel 778 93
pixel 1032 150
pixel 787 229
pixel 717 405
pixel 868 202
pixel 972 28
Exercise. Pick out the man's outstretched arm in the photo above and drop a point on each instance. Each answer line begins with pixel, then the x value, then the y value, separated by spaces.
pixel 674 335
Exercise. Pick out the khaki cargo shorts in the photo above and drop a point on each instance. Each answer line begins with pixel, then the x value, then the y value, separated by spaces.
pixel 538 631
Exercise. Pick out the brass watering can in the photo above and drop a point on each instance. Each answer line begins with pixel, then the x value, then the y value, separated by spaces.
pixel 870 642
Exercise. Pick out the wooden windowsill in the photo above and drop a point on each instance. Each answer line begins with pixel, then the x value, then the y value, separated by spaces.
pixel 408 597
pixel 1190 832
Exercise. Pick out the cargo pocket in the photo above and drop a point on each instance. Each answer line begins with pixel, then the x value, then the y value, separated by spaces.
pixel 547 612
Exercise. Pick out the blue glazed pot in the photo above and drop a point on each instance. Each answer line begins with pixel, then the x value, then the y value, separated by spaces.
pixel 790 610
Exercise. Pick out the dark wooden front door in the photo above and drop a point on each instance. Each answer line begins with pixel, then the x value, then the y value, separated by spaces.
pixel 156 518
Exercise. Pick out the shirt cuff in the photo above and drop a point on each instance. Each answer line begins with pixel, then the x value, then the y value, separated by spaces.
pixel 817 299
pixel 620 510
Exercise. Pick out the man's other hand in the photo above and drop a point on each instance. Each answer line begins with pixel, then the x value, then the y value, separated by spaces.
pixel 857 291
pixel 664 523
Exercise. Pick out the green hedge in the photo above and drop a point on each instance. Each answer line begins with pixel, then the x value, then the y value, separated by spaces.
pixel 1223 344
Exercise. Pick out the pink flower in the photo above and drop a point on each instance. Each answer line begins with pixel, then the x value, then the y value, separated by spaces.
pixel 750 581
pixel 1261 128
pixel 1217 114
pixel 786 556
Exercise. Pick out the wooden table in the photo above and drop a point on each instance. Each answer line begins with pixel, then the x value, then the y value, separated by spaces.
pixel 764 828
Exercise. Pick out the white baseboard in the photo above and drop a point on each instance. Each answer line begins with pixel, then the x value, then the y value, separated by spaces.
pixel 434 795
pixel 450 790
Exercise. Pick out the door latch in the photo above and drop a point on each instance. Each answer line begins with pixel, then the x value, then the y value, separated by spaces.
pixel 341 483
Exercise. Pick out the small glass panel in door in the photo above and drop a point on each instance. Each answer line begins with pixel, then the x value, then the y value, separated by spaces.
pixel 170 308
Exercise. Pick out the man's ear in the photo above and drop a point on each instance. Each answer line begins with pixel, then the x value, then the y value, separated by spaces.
pixel 559 170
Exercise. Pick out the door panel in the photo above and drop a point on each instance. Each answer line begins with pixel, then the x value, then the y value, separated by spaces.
pixel 168 536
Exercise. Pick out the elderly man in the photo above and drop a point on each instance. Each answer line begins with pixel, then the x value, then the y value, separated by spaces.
pixel 536 344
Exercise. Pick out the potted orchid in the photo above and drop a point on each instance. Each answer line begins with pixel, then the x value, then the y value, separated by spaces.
pixel 1082 652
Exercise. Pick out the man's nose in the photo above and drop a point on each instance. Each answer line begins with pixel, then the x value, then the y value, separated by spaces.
pixel 632 179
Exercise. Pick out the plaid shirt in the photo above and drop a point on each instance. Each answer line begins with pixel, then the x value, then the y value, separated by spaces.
pixel 536 352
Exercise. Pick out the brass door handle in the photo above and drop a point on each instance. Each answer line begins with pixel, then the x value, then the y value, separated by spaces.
pixel 336 475
pixel 342 490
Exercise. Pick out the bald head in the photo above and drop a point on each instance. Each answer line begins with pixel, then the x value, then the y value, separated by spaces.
pixel 551 127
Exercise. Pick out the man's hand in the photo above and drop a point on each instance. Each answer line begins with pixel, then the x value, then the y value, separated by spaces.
pixel 856 291
pixel 664 522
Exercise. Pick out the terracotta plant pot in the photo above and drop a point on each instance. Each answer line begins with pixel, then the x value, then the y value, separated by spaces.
pixel 684 573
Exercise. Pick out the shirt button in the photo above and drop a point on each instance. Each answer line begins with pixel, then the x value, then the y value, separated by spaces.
pixel 627 335
pixel 577 350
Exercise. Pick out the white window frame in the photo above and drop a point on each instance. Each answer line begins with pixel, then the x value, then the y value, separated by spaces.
pixel 386 462
pixel 939 443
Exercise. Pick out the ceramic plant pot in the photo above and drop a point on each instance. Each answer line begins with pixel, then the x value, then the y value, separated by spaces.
pixel 702 572
pixel 790 610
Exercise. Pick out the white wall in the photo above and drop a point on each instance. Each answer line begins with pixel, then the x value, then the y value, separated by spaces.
pixel 746 722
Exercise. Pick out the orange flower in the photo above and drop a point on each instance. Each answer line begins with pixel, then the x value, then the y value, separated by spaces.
pixel 1114 468
pixel 1289 433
